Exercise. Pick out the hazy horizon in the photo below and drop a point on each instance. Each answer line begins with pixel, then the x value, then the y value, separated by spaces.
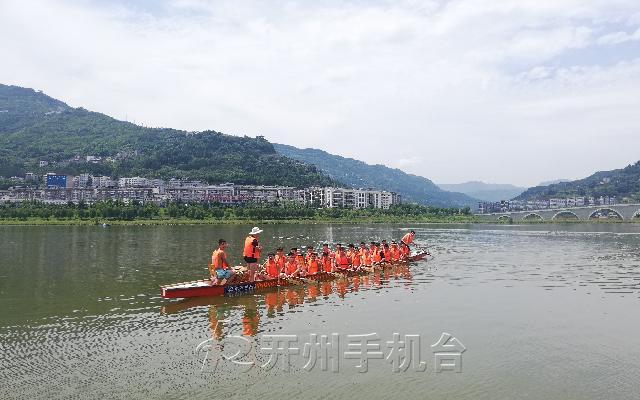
pixel 515 92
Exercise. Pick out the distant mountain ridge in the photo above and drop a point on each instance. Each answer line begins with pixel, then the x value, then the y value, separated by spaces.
pixel 357 174
pixel 35 127
pixel 622 183
pixel 484 191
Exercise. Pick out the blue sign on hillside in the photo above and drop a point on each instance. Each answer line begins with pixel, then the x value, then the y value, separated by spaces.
pixel 56 181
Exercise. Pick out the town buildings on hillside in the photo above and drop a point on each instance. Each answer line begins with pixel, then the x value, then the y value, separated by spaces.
pixel 59 188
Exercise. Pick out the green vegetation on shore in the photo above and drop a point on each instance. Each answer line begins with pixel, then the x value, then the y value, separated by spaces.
pixel 38 213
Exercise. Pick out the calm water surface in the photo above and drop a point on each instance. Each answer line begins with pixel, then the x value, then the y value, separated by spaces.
pixel 545 312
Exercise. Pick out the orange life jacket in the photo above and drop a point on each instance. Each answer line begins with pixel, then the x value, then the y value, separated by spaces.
pixel 355 258
pixel 377 256
pixel 314 267
pixel 249 249
pixel 272 268
pixel 326 265
pixel 395 254
pixel 387 255
pixel 366 259
pixel 342 261
pixel 291 267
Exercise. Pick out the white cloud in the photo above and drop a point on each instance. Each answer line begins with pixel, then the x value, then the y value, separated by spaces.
pixel 619 37
pixel 452 90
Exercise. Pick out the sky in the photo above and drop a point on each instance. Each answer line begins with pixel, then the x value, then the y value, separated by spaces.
pixel 501 91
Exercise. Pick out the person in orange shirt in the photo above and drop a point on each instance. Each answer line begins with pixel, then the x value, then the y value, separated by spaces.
pixel 405 252
pixel 408 239
pixel 280 259
pixel 365 257
pixel 395 253
pixel 386 253
pixel 309 252
pixel 374 253
pixel 327 264
pixel 326 249
pixel 354 256
pixel 313 265
pixel 270 268
pixel 342 261
pixel 251 252
pixel 291 267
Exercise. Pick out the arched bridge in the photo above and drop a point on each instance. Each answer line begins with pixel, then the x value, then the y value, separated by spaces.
pixel 625 211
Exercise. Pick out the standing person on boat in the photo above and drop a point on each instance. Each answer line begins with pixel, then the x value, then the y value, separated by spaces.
pixel 251 252
pixel 219 268
pixel 408 239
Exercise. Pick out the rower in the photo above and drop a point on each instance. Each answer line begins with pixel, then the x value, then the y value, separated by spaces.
pixel 405 251
pixel 408 239
pixel 395 253
pixel 280 259
pixel 291 267
pixel 309 253
pixel 325 260
pixel 270 267
pixel 385 252
pixel 251 252
pixel 219 268
pixel 365 256
pixel 313 265
pixel 354 256
pixel 342 261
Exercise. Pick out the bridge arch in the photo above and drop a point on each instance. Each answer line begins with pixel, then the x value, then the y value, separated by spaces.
pixel 609 209
pixel 635 215
pixel 535 216
pixel 561 212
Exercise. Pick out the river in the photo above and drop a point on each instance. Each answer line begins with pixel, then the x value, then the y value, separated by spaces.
pixel 542 312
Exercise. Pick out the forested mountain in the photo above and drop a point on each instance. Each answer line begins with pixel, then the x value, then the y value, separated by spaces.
pixel 35 127
pixel 484 191
pixel 623 183
pixel 358 174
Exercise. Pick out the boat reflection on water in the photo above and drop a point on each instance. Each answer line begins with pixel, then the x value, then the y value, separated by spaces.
pixel 223 310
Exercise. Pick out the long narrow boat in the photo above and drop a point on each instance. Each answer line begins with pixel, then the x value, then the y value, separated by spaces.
pixel 204 288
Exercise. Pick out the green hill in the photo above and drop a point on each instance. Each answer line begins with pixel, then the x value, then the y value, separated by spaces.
pixel 356 173
pixel 35 127
pixel 623 183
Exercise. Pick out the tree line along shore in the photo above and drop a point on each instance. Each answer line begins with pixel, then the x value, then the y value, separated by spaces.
pixel 39 213
pixel 135 213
